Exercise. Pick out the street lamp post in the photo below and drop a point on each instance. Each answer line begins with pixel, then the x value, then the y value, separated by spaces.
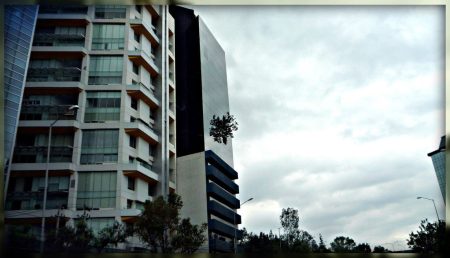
pixel 235 229
pixel 44 202
pixel 437 215
pixel 279 236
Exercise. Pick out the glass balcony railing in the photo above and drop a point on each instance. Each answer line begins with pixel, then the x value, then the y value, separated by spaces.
pixel 142 163
pixel 46 74
pixel 33 200
pixel 38 154
pixel 45 112
pixel 51 39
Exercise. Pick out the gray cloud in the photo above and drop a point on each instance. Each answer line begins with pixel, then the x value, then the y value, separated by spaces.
pixel 337 108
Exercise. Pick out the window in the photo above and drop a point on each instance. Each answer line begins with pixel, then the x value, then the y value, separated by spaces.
pixel 151 190
pixel 134 103
pixel 131 159
pixel 151 150
pixel 102 106
pixel 96 190
pixel 132 141
pixel 137 37
pixel 110 11
pixel 129 204
pixel 135 68
pixel 105 70
pixel 99 146
pixel 108 37
pixel 138 8
pixel 131 183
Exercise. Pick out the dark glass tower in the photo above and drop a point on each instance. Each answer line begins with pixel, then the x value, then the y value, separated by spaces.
pixel 202 163
pixel 201 85
pixel 20 22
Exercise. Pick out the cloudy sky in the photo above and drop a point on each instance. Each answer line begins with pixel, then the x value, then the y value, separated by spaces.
pixel 337 107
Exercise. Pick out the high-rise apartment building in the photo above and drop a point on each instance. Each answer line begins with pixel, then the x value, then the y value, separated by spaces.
pixel 20 22
pixel 438 158
pixel 205 174
pixel 116 147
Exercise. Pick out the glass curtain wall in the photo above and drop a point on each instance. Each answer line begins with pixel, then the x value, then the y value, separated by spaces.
pixel 33 148
pixel 105 70
pixel 47 107
pixel 96 190
pixel 102 106
pixel 99 146
pixel 108 37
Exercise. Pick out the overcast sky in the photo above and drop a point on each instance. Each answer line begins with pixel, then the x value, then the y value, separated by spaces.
pixel 337 110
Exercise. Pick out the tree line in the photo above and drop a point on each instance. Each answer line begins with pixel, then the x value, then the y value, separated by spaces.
pixel 430 238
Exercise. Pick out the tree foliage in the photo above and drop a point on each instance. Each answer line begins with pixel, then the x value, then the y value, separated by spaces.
pixel 111 235
pixel 362 248
pixel 342 244
pixel 289 221
pixel 380 249
pixel 429 238
pixel 188 237
pixel 222 128
pixel 322 248
pixel 159 219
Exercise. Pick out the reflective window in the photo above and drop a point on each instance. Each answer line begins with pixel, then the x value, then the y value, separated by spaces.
pixel 96 190
pixel 110 11
pixel 108 36
pixel 99 146
pixel 105 70
pixel 102 106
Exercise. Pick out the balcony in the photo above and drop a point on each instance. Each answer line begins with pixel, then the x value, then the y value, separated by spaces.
pixel 46 52
pixel 63 19
pixel 44 112
pixel 172 149
pixel 143 93
pixel 220 211
pixel 51 39
pixel 38 154
pixel 53 87
pixel 141 170
pixel 223 229
pixel 219 163
pixel 145 29
pixel 139 57
pixel 218 245
pixel 154 11
pixel 223 196
pixel 59 74
pixel 56 198
pixel 219 178
pixel 142 130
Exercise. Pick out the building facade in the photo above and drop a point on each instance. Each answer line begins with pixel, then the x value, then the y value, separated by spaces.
pixel 20 22
pixel 205 174
pixel 116 66
pixel 438 158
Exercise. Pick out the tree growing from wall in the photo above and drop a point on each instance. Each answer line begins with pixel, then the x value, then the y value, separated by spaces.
pixel 222 128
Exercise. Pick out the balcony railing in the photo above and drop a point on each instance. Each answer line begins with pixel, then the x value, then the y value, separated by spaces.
pixel 44 112
pixel 172 176
pixel 219 178
pixel 226 214
pixel 38 154
pixel 142 163
pixel 56 198
pixel 223 196
pixel 216 244
pixel 47 74
pixel 49 39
